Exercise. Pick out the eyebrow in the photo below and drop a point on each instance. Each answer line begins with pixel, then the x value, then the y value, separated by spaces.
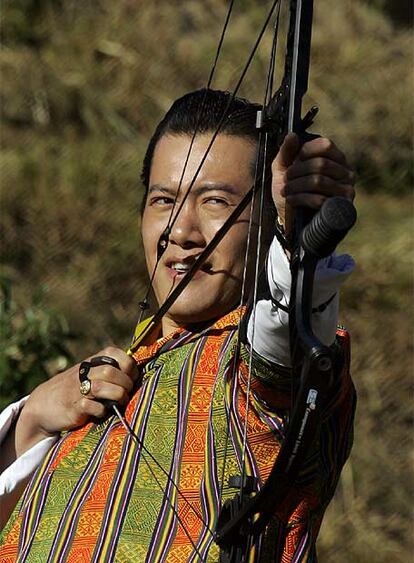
pixel 199 190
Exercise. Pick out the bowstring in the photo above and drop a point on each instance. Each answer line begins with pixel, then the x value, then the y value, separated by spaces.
pixel 170 224
pixel 140 443
pixel 165 236
pixel 263 154
pixel 225 116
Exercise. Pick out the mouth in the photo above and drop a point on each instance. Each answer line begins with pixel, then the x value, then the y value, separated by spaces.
pixel 178 268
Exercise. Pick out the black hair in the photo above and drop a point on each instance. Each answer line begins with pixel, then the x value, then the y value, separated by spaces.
pixel 203 110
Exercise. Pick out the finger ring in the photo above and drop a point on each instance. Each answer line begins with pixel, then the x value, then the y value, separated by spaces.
pixel 85 387
pixel 84 368
pixel 85 382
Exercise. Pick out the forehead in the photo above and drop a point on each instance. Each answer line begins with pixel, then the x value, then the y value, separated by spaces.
pixel 229 161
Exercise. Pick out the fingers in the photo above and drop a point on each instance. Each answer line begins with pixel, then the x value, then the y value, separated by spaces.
pixel 104 390
pixel 321 166
pixel 109 383
pixel 287 154
pixel 319 170
pixel 108 374
pixel 91 408
pixel 318 184
pixel 321 147
pixel 313 201
pixel 126 363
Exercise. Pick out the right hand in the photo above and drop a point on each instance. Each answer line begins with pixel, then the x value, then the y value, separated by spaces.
pixel 57 404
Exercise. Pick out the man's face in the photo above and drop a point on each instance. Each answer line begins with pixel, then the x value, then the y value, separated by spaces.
pixel 222 182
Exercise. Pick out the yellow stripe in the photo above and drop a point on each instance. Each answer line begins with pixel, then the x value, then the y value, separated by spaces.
pixel 174 492
pixel 121 485
pixel 75 506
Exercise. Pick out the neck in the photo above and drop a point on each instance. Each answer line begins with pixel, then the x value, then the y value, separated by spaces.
pixel 170 325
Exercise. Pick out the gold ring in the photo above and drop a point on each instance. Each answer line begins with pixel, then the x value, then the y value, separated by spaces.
pixel 85 387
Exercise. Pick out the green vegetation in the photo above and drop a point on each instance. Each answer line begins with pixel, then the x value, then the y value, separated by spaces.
pixel 84 83
pixel 34 344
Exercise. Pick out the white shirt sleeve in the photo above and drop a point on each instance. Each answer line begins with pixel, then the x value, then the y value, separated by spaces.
pixel 268 326
pixel 24 466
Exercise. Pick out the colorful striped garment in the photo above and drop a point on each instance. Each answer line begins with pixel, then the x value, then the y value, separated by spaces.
pixel 99 496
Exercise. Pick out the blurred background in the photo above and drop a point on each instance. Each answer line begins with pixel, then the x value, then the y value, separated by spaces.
pixel 83 85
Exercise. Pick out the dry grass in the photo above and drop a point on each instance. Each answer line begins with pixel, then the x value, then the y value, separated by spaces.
pixel 83 86
pixel 372 510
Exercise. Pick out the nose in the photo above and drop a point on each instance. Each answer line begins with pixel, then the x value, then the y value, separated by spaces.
pixel 186 230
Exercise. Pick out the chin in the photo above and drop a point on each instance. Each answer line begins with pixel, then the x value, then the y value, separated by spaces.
pixel 192 312
pixel 190 316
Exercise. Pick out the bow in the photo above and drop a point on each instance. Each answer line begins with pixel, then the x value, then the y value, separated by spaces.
pixel 247 515
pixel 244 518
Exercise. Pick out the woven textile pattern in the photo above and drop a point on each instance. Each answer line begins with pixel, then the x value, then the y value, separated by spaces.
pixel 99 496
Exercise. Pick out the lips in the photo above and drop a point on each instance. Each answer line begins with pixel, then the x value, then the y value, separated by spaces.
pixel 179 266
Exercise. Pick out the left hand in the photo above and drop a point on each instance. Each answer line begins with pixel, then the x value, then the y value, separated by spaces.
pixel 307 175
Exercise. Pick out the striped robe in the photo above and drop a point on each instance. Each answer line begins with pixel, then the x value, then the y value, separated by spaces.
pixel 100 496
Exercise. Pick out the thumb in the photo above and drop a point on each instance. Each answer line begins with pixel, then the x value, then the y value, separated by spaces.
pixel 287 154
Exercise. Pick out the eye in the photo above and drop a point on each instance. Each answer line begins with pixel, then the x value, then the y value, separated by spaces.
pixel 161 201
pixel 216 201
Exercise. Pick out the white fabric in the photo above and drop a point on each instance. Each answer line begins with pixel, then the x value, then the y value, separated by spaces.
pixel 25 465
pixel 271 340
pixel 271 325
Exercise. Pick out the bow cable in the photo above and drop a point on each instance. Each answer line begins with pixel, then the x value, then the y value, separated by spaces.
pixel 213 243
pixel 262 156
pixel 154 321
pixel 259 160
pixel 163 242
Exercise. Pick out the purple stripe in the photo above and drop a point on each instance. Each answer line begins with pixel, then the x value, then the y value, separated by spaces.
pixel 248 451
pixel 205 538
pixel 301 548
pixel 226 344
pixel 68 540
pixel 274 423
pixel 180 340
pixel 27 509
pixel 203 489
pixel 166 505
pixel 45 489
pixel 207 515
pixel 98 453
pixel 134 465
pixel 182 411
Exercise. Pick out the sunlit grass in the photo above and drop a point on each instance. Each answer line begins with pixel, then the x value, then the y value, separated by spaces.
pixel 83 85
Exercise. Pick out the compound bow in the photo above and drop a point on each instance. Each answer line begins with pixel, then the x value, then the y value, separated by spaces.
pixel 244 518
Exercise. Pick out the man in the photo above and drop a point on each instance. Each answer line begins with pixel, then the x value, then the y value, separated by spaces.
pixel 209 396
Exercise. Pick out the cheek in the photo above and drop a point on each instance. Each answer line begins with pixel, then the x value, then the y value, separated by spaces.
pixel 149 242
pixel 235 248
